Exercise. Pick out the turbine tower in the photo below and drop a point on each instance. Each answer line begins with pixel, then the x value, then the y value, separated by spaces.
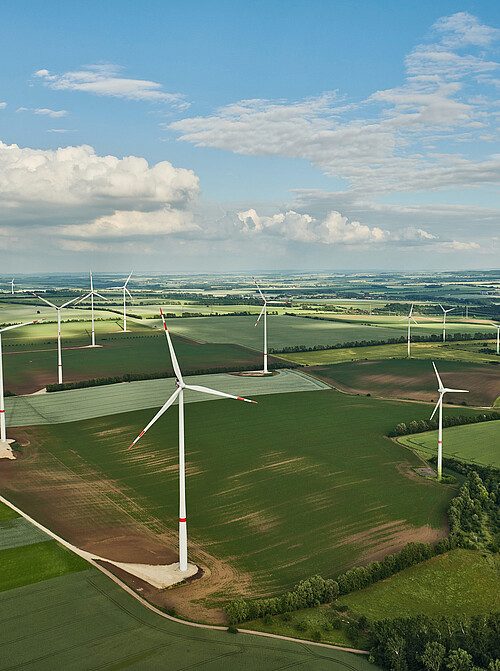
pixel 264 312
pixel 3 431
pixel 442 391
pixel 59 349
pixel 179 394
pixel 410 319
pixel 12 286
pixel 445 312
pixel 497 326
pixel 124 289
pixel 92 293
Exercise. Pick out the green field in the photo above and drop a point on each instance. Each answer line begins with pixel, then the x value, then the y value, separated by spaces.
pixel 460 351
pixel 414 379
pixel 476 443
pixel 83 621
pixel 299 484
pixel 31 364
pixel 461 582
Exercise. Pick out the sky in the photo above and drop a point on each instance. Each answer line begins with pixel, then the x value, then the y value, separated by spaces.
pixel 214 136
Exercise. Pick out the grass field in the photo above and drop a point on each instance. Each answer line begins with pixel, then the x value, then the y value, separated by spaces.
pixel 476 443
pixel 415 379
pixel 30 365
pixel 462 582
pixel 299 484
pixel 83 621
pixel 460 351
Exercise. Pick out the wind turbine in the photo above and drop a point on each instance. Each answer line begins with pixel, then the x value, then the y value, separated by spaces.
pixel 264 312
pixel 92 294
pixel 12 286
pixel 497 326
pixel 59 352
pixel 410 319
pixel 442 391
pixel 445 312
pixel 124 289
pixel 3 430
pixel 179 394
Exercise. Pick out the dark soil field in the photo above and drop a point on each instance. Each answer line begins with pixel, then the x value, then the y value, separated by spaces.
pixel 414 379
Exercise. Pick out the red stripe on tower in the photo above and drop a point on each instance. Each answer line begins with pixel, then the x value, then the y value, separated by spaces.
pixel 182 519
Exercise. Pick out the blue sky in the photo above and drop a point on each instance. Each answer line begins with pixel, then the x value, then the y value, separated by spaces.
pixel 250 136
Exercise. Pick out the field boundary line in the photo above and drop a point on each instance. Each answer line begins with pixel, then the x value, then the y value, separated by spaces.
pixel 152 608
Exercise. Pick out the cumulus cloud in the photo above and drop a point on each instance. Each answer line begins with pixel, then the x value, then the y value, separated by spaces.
pixel 381 144
pixel 55 114
pixel 105 80
pixel 457 246
pixel 78 195
pixel 3 106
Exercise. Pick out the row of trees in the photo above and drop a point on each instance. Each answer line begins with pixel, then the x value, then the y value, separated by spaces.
pixel 453 643
pixel 421 425
pixel 456 337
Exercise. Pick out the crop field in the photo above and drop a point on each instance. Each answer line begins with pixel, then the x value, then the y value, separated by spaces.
pixel 415 379
pixel 461 582
pixel 476 443
pixel 17 313
pixel 299 484
pixel 84 621
pixel 30 366
pixel 457 351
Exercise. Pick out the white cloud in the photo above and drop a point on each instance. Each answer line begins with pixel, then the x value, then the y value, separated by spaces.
pixel 104 80
pixel 457 246
pixel 380 144
pixel 55 114
pixel 59 130
pixel 3 106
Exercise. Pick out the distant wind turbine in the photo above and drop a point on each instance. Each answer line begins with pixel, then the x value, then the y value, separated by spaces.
pixel 445 312
pixel 3 430
pixel 497 326
pixel 91 294
pixel 179 394
pixel 12 286
pixel 442 391
pixel 124 289
pixel 264 312
pixel 410 319
pixel 59 352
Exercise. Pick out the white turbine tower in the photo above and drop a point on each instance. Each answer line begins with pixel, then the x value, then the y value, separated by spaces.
pixel 125 291
pixel 264 312
pixel 179 394
pixel 91 294
pixel 12 286
pixel 410 319
pixel 497 326
pixel 445 312
pixel 3 431
pixel 59 352
pixel 442 391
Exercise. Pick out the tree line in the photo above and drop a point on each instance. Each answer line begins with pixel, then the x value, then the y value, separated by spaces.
pixel 421 425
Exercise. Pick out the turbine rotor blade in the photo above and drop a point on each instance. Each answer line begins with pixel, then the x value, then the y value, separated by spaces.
pixel 128 292
pixel 160 412
pixel 260 292
pixel 175 363
pixel 91 283
pixel 44 300
pixel 206 390
pixel 128 278
pixel 441 385
pixel 80 300
pixel 103 297
pixel 16 326
pixel 72 301
pixel 261 313
pixel 462 391
pixel 437 405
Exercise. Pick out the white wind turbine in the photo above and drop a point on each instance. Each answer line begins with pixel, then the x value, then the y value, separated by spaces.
pixel 264 312
pixel 3 430
pixel 442 391
pixel 410 319
pixel 12 286
pixel 59 352
pixel 125 290
pixel 445 312
pixel 92 293
pixel 179 394
pixel 497 326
